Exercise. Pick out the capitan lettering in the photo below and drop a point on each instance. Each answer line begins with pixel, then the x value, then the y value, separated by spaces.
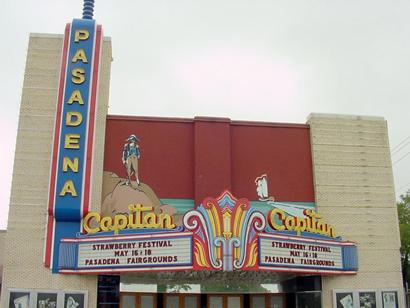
pixel 139 216
pixel 312 223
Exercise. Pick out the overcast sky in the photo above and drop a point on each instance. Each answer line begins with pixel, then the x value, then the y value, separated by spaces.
pixel 267 60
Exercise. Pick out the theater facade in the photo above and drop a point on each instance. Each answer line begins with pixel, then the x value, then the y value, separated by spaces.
pixel 132 211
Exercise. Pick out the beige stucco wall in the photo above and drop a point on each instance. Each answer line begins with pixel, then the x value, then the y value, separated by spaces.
pixel 23 261
pixel 355 192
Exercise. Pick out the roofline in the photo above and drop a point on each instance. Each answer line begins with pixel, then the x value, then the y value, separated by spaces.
pixel 204 119
pixel 344 116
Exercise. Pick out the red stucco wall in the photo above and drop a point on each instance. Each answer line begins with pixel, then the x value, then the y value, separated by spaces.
pixel 196 158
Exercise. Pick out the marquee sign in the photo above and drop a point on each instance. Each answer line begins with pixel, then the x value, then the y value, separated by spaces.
pixel 281 253
pixel 134 252
pixel 220 234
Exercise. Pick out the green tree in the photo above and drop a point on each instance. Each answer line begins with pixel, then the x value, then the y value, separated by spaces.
pixel 403 208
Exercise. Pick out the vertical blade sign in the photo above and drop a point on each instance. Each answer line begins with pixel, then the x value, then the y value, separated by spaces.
pixel 70 175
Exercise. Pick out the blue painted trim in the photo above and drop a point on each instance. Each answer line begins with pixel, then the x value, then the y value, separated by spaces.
pixel 68 255
pixel 350 258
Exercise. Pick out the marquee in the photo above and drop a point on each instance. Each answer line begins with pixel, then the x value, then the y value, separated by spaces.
pixel 222 233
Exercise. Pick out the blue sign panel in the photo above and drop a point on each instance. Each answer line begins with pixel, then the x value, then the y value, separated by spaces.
pixel 69 195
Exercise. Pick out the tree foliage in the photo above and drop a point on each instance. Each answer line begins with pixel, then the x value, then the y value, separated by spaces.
pixel 403 208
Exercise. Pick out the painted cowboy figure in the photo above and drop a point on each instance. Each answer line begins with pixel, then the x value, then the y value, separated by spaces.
pixel 130 155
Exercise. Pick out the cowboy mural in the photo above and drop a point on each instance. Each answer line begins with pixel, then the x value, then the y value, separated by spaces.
pixel 130 155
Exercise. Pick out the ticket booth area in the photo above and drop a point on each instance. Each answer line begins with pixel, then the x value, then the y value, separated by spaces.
pixel 293 293
pixel 147 300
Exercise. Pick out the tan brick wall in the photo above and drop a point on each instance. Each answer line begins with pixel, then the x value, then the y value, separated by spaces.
pixel 354 191
pixel 23 263
pixel 2 244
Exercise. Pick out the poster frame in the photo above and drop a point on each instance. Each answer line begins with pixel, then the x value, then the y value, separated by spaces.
pixel 344 291
pixel 376 296
pixel 33 293
pixel 379 296
pixel 389 291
